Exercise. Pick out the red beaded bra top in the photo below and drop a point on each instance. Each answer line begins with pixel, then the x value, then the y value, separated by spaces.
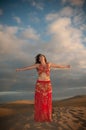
pixel 44 69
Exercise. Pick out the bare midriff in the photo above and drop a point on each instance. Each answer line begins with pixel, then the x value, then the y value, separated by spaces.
pixel 44 77
pixel 43 72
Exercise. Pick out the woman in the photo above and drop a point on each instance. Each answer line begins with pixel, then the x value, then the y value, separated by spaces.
pixel 43 88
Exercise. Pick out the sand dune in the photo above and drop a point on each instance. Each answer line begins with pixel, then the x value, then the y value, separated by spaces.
pixel 73 101
pixel 6 112
pixel 68 114
pixel 22 102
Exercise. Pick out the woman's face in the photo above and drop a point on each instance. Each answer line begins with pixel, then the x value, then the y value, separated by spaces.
pixel 41 58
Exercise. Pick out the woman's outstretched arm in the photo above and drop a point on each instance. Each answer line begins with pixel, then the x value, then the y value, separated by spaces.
pixel 59 66
pixel 27 68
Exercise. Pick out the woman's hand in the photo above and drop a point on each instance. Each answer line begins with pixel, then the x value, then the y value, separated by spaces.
pixel 68 66
pixel 18 70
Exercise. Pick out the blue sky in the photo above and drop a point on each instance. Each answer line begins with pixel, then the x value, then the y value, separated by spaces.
pixel 55 28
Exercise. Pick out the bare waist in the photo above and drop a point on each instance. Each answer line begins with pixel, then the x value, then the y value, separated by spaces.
pixel 44 77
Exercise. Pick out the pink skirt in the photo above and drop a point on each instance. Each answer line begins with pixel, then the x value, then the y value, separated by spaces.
pixel 43 101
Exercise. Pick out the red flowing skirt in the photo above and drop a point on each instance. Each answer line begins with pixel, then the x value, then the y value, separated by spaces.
pixel 43 101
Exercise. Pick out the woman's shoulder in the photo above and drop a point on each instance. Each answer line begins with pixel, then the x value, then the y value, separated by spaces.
pixel 49 64
pixel 37 65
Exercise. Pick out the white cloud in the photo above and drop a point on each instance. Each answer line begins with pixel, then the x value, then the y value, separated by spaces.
pixel 76 15
pixel 38 5
pixel 8 29
pixel 83 27
pixel 17 19
pixel 67 42
pixel 30 33
pixel 11 46
pixel 79 17
pixel 74 2
pixel 52 16
pixel 16 49
pixel 77 2
pixel 65 12
pixel 1 12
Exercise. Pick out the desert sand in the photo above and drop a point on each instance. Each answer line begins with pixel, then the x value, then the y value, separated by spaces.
pixel 68 114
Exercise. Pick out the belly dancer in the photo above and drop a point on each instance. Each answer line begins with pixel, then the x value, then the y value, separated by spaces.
pixel 43 88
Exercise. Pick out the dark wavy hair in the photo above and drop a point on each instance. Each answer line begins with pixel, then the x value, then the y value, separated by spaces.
pixel 37 58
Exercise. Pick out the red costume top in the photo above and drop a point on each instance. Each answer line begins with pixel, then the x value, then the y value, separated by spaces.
pixel 44 69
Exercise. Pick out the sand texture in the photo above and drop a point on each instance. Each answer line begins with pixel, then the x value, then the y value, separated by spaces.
pixel 69 114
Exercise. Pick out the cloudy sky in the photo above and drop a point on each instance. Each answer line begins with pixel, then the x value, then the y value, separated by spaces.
pixel 55 28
